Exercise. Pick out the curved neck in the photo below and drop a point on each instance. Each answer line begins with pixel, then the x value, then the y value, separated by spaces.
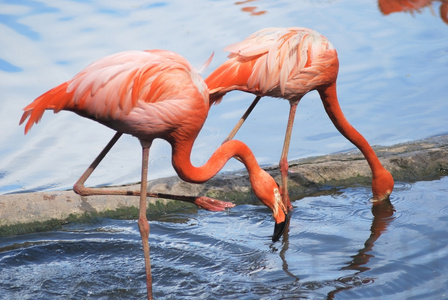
pixel 331 104
pixel 186 171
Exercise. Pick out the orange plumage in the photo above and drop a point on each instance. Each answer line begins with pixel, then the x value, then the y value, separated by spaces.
pixel 288 63
pixel 153 94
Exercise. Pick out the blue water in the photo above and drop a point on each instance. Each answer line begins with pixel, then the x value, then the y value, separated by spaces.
pixel 392 80
pixel 337 247
pixel 392 88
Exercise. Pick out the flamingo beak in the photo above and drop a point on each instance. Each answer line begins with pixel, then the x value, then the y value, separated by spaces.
pixel 280 228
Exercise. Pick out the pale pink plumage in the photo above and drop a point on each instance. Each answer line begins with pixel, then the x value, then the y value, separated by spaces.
pixel 288 63
pixel 153 94
pixel 131 92
pixel 278 62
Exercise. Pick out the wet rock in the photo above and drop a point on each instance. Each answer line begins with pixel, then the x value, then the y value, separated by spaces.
pixel 420 160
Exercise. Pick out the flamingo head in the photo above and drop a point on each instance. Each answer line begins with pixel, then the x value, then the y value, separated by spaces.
pixel 382 185
pixel 267 190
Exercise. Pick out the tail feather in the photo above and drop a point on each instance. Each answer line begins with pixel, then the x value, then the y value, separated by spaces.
pixel 56 99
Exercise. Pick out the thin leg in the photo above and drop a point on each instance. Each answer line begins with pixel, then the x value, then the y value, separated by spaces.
pixel 243 118
pixel 79 187
pixel 143 224
pixel 284 166
pixel 200 201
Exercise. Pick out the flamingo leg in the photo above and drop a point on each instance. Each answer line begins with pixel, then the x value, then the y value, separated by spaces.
pixel 284 165
pixel 200 201
pixel 143 224
pixel 79 187
pixel 243 118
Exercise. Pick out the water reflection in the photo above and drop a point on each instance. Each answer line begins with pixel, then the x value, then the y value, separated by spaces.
pixel 253 10
pixel 412 6
pixel 383 215
pixel 228 255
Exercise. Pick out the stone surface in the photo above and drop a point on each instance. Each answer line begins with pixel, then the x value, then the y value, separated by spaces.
pixel 420 160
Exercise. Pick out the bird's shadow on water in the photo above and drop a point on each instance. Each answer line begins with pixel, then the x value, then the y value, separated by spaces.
pixel 383 214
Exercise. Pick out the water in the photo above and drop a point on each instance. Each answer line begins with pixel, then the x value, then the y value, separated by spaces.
pixel 392 87
pixel 337 247
pixel 392 81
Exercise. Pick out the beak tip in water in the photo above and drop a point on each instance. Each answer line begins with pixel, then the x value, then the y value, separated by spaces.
pixel 279 229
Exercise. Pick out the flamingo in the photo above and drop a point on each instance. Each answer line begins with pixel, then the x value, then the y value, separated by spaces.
pixel 288 63
pixel 392 6
pixel 153 94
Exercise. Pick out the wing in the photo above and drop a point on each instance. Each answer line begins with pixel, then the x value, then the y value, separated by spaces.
pixel 270 59
pixel 110 88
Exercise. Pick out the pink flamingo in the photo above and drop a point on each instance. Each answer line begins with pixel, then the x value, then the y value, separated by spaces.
pixel 392 6
pixel 153 94
pixel 288 63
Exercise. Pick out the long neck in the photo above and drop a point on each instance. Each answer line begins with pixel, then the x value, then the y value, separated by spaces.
pixel 188 172
pixel 331 104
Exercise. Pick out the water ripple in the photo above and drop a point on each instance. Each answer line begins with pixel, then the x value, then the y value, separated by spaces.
pixel 336 245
